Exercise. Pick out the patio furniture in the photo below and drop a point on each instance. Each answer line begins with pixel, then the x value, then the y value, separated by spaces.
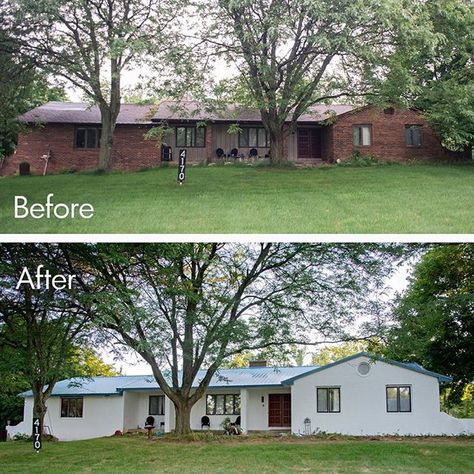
pixel 253 153
pixel 234 153
pixel 220 153
pixel 230 428
pixel 150 425
pixel 205 421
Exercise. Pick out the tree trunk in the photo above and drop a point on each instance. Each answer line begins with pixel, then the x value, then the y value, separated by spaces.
pixel 39 410
pixel 183 418
pixel 278 149
pixel 106 139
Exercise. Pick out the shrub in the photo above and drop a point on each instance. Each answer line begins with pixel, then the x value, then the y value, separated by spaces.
pixel 358 159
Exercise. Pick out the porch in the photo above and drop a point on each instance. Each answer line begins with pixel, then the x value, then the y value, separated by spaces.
pixel 309 144
pixel 257 409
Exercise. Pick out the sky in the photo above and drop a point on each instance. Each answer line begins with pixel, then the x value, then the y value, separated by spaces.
pixel 133 364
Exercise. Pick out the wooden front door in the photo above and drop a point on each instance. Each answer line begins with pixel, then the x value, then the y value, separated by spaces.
pixel 309 143
pixel 279 410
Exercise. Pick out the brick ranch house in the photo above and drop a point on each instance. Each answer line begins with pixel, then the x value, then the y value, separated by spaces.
pixel 68 134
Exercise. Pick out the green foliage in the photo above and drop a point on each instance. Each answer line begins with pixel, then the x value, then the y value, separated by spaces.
pixel 329 354
pixel 193 306
pixel 288 355
pixel 434 319
pixel 358 159
pixel 39 327
pixel 25 88
pixel 291 55
pixel 464 407
pixel 22 437
pixel 91 44
pixel 85 362
pixel 432 69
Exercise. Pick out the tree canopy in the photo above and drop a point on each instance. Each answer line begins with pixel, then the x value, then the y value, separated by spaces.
pixel 91 43
pixel 432 69
pixel 187 307
pixel 434 320
pixel 26 88
pixel 292 55
pixel 40 327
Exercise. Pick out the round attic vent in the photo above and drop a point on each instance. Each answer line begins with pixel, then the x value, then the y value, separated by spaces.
pixel 363 368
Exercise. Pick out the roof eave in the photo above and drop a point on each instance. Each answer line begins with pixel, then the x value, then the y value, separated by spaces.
pixel 441 378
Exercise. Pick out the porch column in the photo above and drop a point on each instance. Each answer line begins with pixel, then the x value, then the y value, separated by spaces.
pixel 244 405
pixel 169 415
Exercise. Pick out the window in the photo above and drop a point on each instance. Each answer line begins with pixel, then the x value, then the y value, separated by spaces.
pixel 389 111
pixel 191 137
pixel 253 138
pixel 399 399
pixel 363 368
pixel 88 137
pixel 362 135
pixel 71 407
pixel 329 400
pixel 223 405
pixel 413 135
pixel 156 405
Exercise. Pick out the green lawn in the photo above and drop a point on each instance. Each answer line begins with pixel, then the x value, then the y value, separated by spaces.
pixel 380 199
pixel 112 455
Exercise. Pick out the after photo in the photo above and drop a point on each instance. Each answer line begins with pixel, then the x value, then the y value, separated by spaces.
pixel 194 356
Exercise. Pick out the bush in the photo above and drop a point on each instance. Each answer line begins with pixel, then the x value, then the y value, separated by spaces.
pixel 22 437
pixel 358 159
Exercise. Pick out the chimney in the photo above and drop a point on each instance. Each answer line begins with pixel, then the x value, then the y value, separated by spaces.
pixel 257 363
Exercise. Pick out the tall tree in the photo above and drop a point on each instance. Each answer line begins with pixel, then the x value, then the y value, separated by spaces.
pixel 83 362
pixel 434 320
pixel 186 307
pixel 25 88
pixel 292 55
pixel 434 72
pixel 92 42
pixel 40 326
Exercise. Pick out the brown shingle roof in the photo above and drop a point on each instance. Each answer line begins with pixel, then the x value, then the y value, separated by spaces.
pixel 69 112
pixel 191 110
pixel 82 113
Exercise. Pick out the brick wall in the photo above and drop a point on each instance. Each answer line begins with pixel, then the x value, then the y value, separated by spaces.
pixel 130 150
pixel 388 136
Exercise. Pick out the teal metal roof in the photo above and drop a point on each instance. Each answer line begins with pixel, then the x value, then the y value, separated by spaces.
pixel 405 365
pixel 224 378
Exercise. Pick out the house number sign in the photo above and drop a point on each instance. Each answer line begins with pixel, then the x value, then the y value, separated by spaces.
pixel 182 166
pixel 36 435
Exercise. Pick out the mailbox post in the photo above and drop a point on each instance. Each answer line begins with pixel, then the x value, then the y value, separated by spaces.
pixel 36 435
pixel 182 166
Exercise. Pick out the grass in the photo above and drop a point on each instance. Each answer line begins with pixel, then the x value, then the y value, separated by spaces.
pixel 111 455
pixel 411 199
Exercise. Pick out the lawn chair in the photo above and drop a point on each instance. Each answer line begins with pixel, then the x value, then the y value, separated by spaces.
pixel 234 153
pixel 150 426
pixel 205 421
pixel 253 154
pixel 220 154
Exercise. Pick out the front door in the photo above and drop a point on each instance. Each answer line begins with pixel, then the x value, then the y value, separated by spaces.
pixel 309 143
pixel 279 410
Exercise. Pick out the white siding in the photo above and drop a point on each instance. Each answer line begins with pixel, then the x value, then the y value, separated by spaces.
pixel 363 402
pixel 102 416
